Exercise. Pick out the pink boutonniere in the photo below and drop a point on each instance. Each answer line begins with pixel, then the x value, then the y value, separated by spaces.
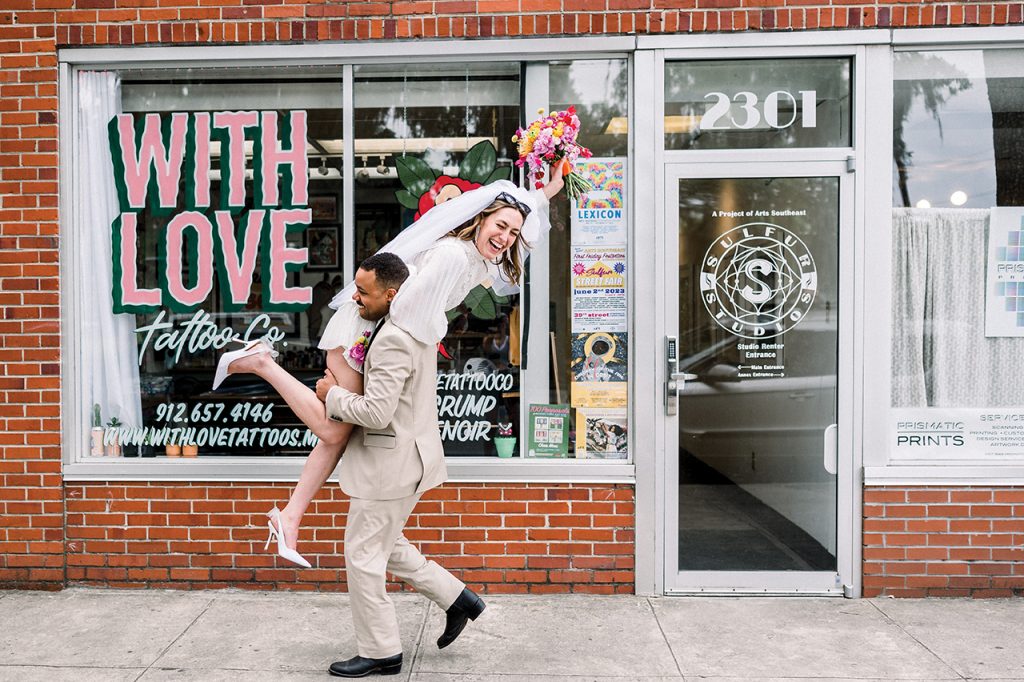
pixel 357 351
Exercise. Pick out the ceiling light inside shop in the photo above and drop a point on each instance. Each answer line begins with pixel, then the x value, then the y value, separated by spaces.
pixel 924 203
pixel 958 198
pixel 376 147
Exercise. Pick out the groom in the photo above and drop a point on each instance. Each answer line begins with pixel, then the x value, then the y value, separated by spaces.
pixel 393 456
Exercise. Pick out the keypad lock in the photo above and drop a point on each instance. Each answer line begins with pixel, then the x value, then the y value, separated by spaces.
pixel 675 381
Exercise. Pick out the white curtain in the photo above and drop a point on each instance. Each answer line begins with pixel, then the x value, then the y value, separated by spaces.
pixel 941 357
pixel 109 359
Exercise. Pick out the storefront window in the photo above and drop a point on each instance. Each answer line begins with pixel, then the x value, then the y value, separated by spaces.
pixel 587 417
pixel 755 104
pixel 188 244
pixel 425 134
pixel 958 221
pixel 208 207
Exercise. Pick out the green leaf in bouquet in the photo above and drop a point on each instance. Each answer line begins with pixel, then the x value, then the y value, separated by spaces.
pixel 479 162
pixel 415 174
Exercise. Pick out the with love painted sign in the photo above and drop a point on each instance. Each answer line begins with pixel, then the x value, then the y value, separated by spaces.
pixel 163 162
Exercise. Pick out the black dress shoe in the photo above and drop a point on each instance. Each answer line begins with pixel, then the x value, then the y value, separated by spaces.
pixel 361 667
pixel 467 607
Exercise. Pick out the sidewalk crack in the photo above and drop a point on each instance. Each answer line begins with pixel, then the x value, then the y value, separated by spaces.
pixel 180 635
pixel 902 629
pixel 419 638
pixel 664 636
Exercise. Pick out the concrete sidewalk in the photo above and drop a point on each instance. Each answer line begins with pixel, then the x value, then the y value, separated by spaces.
pixel 83 634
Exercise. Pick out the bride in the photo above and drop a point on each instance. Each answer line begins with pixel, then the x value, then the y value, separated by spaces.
pixel 480 237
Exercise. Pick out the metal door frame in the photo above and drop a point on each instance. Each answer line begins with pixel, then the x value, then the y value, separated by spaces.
pixel 764 582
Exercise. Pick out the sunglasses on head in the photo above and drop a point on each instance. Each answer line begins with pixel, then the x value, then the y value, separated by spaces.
pixel 519 206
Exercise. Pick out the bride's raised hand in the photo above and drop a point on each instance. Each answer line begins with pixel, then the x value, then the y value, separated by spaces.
pixel 556 183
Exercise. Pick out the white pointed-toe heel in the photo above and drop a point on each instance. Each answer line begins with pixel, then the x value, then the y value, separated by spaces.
pixel 283 550
pixel 254 348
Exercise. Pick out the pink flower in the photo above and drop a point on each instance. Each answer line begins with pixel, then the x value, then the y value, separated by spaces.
pixel 357 351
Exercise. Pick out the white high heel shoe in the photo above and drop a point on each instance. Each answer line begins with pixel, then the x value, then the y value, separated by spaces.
pixel 254 348
pixel 283 550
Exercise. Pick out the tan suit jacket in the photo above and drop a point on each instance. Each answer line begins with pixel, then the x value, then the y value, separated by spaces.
pixel 395 451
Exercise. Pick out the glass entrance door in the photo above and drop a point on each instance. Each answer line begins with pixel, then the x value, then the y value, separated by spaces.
pixel 753 408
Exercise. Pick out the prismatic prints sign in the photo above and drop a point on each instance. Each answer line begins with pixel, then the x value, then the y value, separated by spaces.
pixel 599 216
pixel 958 435
pixel 1004 282
pixel 549 431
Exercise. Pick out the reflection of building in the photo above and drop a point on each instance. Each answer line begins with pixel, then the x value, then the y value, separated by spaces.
pixel 836 404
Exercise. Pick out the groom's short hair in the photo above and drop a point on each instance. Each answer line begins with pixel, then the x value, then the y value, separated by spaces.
pixel 389 269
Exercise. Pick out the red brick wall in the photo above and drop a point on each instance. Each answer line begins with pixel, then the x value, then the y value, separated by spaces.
pixel 947 542
pixel 31 496
pixel 496 537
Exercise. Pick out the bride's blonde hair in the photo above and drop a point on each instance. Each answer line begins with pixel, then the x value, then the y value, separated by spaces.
pixel 510 262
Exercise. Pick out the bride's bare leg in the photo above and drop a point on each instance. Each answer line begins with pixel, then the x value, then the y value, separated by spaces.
pixel 301 398
pixel 324 457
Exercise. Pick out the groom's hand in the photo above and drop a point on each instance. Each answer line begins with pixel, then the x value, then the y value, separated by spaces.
pixel 324 386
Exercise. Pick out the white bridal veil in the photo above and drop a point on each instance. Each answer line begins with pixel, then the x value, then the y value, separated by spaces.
pixel 443 218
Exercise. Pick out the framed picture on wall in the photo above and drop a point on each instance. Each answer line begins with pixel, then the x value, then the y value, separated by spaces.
pixel 324 247
pixel 324 208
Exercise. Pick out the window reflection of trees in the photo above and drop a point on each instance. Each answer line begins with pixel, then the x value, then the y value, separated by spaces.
pixel 932 94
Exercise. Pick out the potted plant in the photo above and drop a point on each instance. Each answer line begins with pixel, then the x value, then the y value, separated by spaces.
pixel 96 433
pixel 113 448
pixel 505 442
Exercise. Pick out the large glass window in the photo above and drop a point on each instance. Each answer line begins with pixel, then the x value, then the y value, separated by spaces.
pixel 184 241
pixel 425 134
pixel 755 104
pixel 208 205
pixel 589 346
pixel 958 219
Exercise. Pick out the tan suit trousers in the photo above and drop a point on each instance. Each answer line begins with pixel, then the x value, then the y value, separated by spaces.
pixel 374 546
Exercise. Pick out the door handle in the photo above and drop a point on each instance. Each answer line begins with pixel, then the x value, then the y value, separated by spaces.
pixel 831 447
pixel 677 380
pixel 801 395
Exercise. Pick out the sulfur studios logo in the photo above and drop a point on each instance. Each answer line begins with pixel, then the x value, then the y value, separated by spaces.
pixel 758 280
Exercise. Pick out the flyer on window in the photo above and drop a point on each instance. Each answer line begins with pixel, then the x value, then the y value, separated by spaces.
pixel 549 431
pixel 598 288
pixel 599 216
pixel 1004 281
pixel 953 435
pixel 601 433
pixel 600 370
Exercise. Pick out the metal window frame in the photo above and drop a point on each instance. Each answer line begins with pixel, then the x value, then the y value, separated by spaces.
pixel 652 496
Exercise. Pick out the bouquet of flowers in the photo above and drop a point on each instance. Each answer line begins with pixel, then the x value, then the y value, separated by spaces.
pixel 549 140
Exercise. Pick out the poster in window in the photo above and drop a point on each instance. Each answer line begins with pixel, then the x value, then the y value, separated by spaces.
pixel 324 207
pixel 323 242
pixel 599 216
pixel 549 431
pixel 598 288
pixel 1004 283
pixel 599 370
pixel 601 433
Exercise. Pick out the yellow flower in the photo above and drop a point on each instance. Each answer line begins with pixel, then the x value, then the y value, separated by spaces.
pixel 541 111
